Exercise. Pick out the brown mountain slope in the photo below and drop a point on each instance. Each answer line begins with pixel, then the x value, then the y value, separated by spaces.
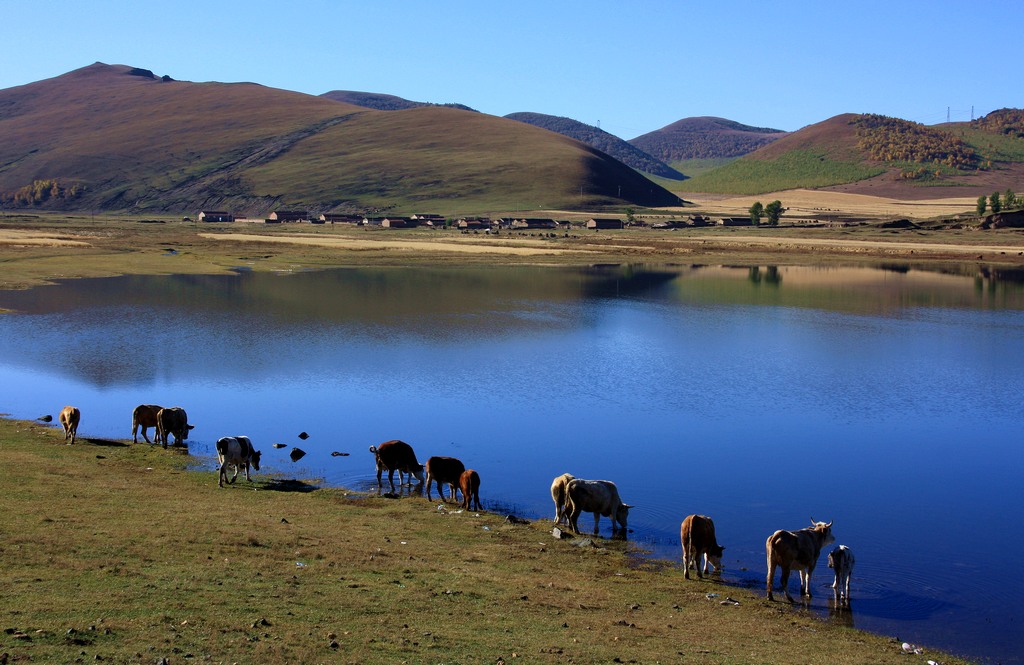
pixel 133 141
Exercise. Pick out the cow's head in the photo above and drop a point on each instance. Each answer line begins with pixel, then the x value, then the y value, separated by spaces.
pixel 254 460
pixel 714 555
pixel 825 530
pixel 622 514
pixel 416 471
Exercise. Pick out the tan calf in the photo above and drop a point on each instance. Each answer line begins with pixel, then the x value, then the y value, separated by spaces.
pixel 697 534
pixel 469 483
pixel 69 417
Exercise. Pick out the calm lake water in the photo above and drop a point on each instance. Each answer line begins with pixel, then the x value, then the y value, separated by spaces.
pixel 890 401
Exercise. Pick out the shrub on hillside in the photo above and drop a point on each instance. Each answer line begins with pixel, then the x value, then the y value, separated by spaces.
pixel 887 139
pixel 1003 121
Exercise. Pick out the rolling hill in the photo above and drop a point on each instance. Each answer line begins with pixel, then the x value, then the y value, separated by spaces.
pixel 704 138
pixel 625 152
pixel 382 102
pixel 113 137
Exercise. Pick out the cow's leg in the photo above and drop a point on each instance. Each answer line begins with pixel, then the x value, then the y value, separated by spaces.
pixel 144 435
pixel 771 577
pixel 701 570
pixel 235 475
pixel 806 581
pixel 391 479
pixel 223 473
pixel 379 485
pixel 597 518
pixel 246 464
pixel 785 583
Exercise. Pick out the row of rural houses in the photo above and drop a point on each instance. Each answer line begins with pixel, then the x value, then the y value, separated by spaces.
pixel 465 223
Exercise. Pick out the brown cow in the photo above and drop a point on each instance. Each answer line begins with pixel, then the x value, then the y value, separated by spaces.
pixel 144 416
pixel 558 495
pixel 69 417
pixel 445 470
pixel 799 550
pixel 697 533
pixel 394 456
pixel 469 483
pixel 172 421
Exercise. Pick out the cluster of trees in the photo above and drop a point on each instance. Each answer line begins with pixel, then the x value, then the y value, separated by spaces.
pixel 998 202
pixel 888 139
pixel 41 191
pixel 1004 121
pixel 773 211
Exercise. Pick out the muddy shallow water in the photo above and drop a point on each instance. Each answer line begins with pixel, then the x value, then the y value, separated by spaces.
pixel 888 401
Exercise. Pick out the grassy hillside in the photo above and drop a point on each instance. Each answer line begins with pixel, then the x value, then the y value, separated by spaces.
pixel 382 102
pixel 116 138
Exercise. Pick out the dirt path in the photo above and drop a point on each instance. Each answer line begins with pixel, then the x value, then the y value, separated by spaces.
pixel 447 245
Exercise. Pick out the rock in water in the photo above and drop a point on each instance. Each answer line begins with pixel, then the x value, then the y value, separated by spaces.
pixel 297 454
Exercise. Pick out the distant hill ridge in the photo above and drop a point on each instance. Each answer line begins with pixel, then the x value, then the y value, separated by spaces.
pixel 705 137
pixel 619 149
pixel 382 102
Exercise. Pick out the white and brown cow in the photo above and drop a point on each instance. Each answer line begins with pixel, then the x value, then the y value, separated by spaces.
pixel 69 419
pixel 446 470
pixel 796 550
pixel 236 451
pixel 172 421
pixel 469 483
pixel 697 533
pixel 841 560
pixel 144 416
pixel 394 456
pixel 558 486
pixel 600 497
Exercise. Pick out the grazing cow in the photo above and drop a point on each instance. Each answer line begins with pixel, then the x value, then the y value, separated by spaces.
pixel 558 495
pixel 394 456
pixel 469 483
pixel 172 421
pixel 69 417
pixel 841 561
pixel 799 550
pixel 236 451
pixel 697 533
pixel 445 470
pixel 144 416
pixel 600 497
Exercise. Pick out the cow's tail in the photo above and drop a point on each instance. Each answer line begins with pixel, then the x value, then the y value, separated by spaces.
pixel 373 449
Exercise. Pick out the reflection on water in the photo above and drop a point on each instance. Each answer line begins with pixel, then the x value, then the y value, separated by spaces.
pixel 885 400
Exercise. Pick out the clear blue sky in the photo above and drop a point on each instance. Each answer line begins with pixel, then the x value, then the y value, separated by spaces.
pixel 631 67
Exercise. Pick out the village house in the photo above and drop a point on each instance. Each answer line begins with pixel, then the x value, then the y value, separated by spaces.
pixel 215 216
pixel 429 219
pixel 399 223
pixel 735 221
pixel 533 223
pixel 605 223
pixel 474 223
pixel 289 216
pixel 337 218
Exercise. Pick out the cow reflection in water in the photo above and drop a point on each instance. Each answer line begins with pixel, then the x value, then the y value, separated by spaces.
pixel 840 612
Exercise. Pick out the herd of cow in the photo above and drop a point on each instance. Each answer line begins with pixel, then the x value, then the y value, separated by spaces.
pixel 788 550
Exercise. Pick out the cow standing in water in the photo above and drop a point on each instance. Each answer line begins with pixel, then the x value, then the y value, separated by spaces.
pixel 600 497
pixel 697 533
pixel 796 550
pixel 172 421
pixel 69 418
pixel 841 560
pixel 394 456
